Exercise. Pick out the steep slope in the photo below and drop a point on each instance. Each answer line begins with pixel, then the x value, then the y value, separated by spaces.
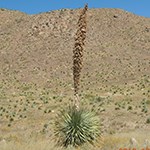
pixel 37 48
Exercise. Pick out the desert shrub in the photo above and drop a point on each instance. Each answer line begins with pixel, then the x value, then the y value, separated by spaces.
pixel 144 109
pixel 75 127
pixel 129 107
pixel 2 9
pixel 148 120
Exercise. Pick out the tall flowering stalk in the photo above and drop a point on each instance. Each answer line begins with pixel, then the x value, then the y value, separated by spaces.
pixel 78 52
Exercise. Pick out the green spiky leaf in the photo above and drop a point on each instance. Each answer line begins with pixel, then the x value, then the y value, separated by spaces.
pixel 75 127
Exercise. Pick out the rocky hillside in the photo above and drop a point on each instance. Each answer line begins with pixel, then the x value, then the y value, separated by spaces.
pixel 38 48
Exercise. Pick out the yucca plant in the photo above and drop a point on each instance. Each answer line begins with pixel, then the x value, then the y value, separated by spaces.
pixel 75 127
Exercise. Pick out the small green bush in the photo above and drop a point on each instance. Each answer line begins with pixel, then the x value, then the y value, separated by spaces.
pixel 148 120
pixel 129 108
pixel 75 127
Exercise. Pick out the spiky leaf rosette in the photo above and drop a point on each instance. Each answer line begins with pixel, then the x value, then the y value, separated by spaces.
pixel 75 127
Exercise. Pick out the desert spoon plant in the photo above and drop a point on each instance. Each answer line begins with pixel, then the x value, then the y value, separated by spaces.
pixel 76 126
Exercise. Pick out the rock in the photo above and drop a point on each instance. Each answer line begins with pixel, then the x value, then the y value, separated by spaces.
pixel 133 142
pixel 3 143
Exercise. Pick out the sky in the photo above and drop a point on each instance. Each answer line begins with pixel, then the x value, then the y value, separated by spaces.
pixel 139 7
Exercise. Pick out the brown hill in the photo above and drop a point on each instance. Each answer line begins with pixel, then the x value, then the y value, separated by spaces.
pixel 38 48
